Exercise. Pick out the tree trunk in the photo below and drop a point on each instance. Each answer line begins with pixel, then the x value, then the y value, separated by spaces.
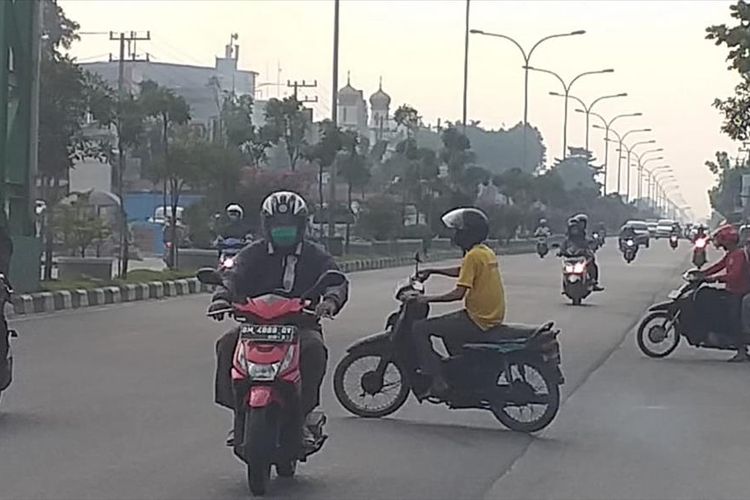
pixel 123 266
pixel 349 205
pixel 320 197
pixel 174 201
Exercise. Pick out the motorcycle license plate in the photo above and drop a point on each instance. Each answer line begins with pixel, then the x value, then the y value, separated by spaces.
pixel 269 333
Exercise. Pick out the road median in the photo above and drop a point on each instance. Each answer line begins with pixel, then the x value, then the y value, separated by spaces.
pixel 62 300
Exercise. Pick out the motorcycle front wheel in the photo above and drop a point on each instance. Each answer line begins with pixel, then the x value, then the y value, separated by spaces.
pixel 657 336
pixel 365 392
pixel 260 447
pixel 527 386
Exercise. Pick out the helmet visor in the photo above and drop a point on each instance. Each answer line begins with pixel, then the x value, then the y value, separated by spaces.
pixel 454 219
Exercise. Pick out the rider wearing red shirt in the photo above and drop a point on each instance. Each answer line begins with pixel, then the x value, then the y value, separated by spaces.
pixel 736 277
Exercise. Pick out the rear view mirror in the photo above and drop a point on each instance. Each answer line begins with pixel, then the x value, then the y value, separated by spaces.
pixel 209 276
pixel 418 257
pixel 326 280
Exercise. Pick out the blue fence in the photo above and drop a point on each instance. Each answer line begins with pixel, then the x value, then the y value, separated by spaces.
pixel 141 206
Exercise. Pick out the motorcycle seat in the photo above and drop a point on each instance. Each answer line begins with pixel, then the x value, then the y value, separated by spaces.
pixel 510 333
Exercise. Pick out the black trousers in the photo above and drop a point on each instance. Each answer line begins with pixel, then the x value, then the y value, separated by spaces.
pixel 456 329
pixel 313 362
pixel 734 311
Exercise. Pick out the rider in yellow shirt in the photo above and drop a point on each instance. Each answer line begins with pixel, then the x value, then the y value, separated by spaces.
pixel 479 285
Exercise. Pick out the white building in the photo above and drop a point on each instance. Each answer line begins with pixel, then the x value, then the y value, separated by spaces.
pixel 352 109
pixel 377 124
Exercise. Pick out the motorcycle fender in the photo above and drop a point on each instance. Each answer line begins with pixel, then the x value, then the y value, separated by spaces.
pixel 372 343
pixel 661 306
pixel 260 396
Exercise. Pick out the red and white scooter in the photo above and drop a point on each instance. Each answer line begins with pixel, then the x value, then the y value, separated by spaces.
pixel 267 381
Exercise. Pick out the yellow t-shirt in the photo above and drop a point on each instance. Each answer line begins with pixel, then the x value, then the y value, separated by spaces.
pixel 485 298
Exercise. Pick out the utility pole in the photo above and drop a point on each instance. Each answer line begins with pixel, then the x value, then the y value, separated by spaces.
pixel 335 120
pixel 302 85
pixel 131 39
pixel 466 69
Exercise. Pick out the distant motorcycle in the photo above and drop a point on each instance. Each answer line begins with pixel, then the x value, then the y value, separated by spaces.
pixel 629 250
pixel 515 374
pixel 6 364
pixel 673 241
pixel 598 240
pixel 699 252
pixel 576 278
pixel 696 311
pixel 542 248
pixel 228 250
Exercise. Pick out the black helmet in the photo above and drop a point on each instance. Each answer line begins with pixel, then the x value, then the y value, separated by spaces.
pixel 470 226
pixel 284 218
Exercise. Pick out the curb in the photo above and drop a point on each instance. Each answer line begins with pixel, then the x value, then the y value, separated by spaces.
pixel 49 302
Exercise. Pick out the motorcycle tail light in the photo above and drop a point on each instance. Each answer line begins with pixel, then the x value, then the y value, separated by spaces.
pixel 263 372
pixel 288 358
pixel 579 267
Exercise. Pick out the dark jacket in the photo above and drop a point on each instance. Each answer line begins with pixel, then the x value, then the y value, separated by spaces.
pixel 580 245
pixel 6 250
pixel 258 271
pixel 238 229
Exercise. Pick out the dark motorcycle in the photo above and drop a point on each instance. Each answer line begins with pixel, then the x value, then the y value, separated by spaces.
pixel 228 250
pixel 6 364
pixel 699 252
pixel 629 250
pixel 695 311
pixel 673 241
pixel 542 248
pixel 513 373
pixel 267 383
pixel 598 240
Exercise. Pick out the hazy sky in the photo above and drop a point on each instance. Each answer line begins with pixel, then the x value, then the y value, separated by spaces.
pixel 657 48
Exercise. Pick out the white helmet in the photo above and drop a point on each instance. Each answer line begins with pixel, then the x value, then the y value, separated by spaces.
pixel 235 211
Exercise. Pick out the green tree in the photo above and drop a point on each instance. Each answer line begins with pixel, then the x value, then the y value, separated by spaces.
pixel 323 154
pixel 239 131
pixel 725 196
pixel 456 153
pixel 379 218
pixel 409 118
pixel 167 110
pixel 354 166
pixel 77 225
pixel 736 38
pixel 287 122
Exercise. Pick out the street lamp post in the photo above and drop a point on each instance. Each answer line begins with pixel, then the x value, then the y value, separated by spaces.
pixel 642 163
pixel 652 178
pixel 630 151
pixel 566 88
pixel 526 58
pixel 587 109
pixel 607 127
pixel 620 140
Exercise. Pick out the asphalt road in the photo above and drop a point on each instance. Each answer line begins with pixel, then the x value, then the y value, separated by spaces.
pixel 116 403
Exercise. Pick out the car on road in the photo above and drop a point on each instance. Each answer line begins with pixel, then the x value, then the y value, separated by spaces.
pixel 652 228
pixel 642 235
pixel 664 228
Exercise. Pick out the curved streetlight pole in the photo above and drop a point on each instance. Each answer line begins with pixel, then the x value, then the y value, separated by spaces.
pixel 587 109
pixel 526 58
pixel 607 127
pixel 652 180
pixel 630 151
pixel 566 88
pixel 621 139
pixel 642 163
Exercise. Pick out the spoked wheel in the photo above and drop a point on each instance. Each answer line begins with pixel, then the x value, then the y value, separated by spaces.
pixel 657 336
pixel 365 392
pixel 530 399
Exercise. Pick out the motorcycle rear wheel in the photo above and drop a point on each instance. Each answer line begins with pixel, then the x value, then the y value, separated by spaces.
pixel 349 401
pixel 500 409
pixel 260 439
pixel 644 334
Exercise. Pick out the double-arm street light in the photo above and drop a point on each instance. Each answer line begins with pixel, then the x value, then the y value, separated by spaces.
pixel 653 175
pixel 620 140
pixel 587 108
pixel 527 59
pixel 630 151
pixel 566 93
pixel 642 163
pixel 606 126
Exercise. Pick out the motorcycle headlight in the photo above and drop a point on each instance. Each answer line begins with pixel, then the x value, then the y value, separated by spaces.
pixel 630 243
pixel 228 263
pixel 579 267
pixel 700 243
pixel 262 372
pixel 569 268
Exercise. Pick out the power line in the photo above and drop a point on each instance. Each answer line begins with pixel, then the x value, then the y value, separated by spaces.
pixel 302 85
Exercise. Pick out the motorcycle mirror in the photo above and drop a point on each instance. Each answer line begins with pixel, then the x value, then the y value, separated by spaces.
pixel 417 261
pixel 326 280
pixel 209 276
